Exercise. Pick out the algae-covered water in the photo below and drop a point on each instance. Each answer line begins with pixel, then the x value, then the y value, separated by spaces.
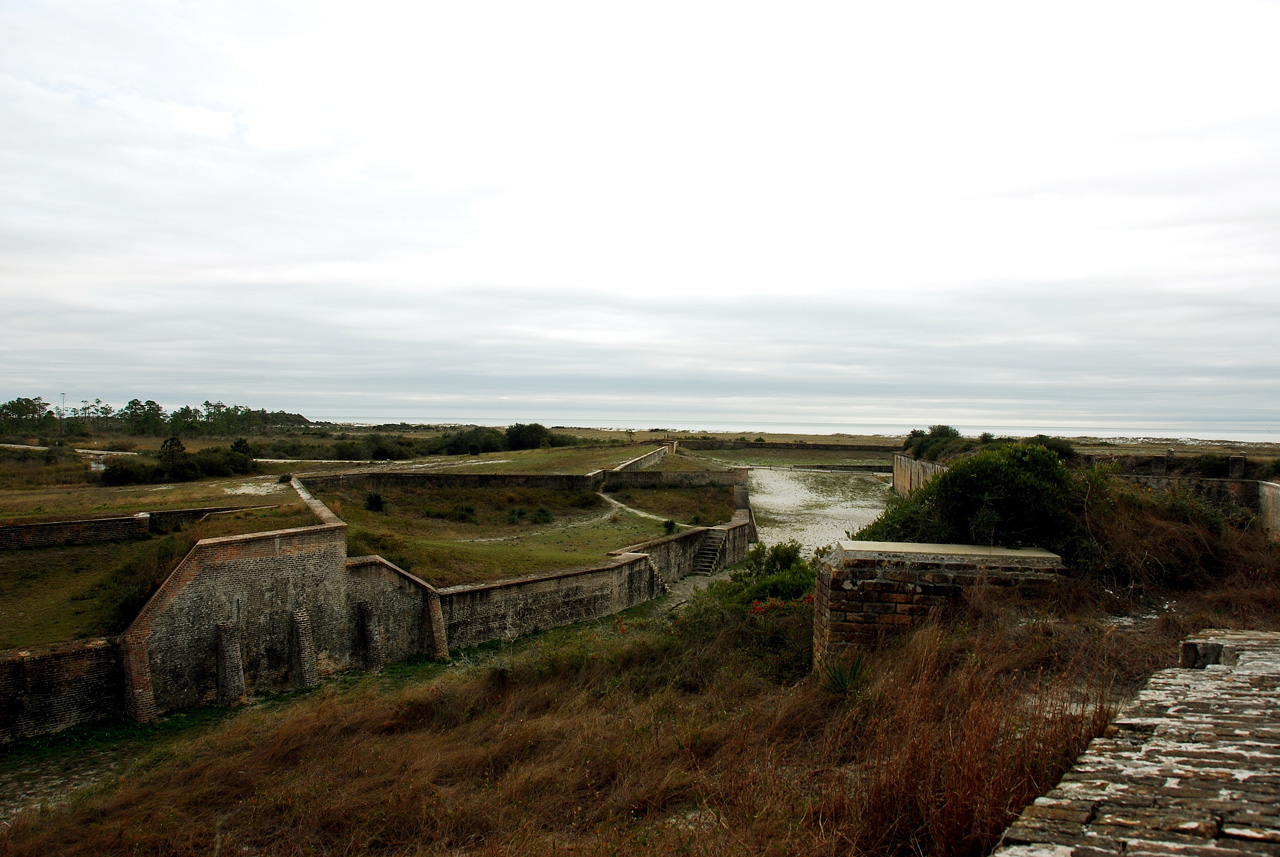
pixel 815 508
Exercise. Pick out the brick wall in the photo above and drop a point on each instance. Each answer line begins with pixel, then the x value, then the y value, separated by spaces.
pixel 255 583
pixel 401 606
pixel 60 533
pixel 868 589
pixel 94 530
pixel 49 689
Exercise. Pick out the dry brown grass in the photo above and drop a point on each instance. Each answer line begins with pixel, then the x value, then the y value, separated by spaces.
pixel 640 738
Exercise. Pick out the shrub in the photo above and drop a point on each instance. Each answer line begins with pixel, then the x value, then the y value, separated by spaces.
pixel 669 526
pixel 373 502
pixel 542 516
pixel 129 471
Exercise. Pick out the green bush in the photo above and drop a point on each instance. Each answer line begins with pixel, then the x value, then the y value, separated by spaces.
pixel 1014 496
pixel 374 503
pixel 129 471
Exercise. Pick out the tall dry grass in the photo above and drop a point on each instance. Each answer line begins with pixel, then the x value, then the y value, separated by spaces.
pixel 649 738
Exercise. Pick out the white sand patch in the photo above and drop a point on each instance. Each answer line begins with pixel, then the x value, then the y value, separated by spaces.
pixel 257 488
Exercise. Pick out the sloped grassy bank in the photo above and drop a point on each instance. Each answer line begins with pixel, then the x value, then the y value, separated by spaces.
pixel 701 733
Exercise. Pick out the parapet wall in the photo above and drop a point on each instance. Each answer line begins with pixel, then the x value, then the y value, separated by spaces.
pixel 52 688
pixel 866 590
pixel 91 531
pixel 504 610
pixel 647 460
pixel 263 612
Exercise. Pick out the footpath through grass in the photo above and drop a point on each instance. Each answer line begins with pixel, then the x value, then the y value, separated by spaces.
pixel 450 536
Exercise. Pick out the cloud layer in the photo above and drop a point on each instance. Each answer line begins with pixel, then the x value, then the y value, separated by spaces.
pixel 839 215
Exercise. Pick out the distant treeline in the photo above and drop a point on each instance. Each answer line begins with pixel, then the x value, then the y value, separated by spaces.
pixel 36 416
pixel 465 440
pixel 175 464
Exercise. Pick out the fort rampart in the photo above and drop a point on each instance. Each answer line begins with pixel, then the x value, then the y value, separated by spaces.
pixel 43 534
pixel 251 614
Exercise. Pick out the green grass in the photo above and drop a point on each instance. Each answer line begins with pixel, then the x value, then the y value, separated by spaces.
pixel 60 502
pixel 449 536
pixel 52 595
pixel 699 506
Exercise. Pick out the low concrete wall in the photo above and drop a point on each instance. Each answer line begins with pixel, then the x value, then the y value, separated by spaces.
pixel 508 609
pixel 868 589
pixel 614 481
pixel 910 473
pixel 51 688
pixel 1269 507
pixel 643 461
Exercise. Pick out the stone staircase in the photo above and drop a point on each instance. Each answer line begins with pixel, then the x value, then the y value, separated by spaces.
pixel 707 562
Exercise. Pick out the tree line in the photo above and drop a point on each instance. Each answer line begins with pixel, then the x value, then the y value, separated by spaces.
pixel 35 416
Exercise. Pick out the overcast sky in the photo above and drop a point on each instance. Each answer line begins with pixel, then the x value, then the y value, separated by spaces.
pixel 698 214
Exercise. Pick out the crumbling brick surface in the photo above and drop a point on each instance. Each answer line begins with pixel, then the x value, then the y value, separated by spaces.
pixel 865 590
pixel 1190 767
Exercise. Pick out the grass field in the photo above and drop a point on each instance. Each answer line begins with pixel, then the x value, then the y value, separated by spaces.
pixel 694 506
pixel 450 536
pixel 50 595
pixel 59 502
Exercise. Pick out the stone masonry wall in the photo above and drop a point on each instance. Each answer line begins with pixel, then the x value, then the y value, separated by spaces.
pixel 401 607
pixel 868 589
pixel 253 584
pixel 49 689
pixel 508 609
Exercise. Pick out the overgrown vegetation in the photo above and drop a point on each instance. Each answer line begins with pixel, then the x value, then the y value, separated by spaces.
pixel 698 733
pixel 1024 494
pixel 175 464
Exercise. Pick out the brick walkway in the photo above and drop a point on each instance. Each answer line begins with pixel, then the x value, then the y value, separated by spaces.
pixel 1191 767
